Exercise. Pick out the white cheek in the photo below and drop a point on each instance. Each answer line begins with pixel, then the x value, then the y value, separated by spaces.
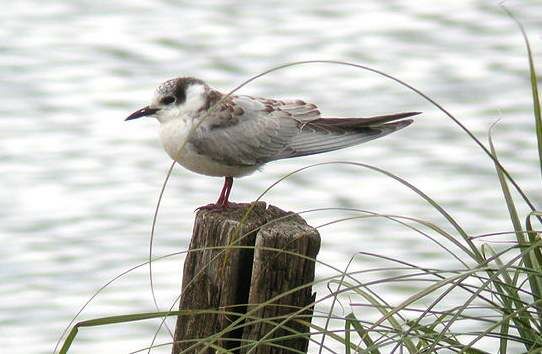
pixel 169 113
pixel 195 100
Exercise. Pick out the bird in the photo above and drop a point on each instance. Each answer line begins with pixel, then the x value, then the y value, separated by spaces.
pixel 230 136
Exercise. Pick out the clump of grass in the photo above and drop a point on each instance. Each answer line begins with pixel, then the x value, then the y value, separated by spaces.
pixel 500 287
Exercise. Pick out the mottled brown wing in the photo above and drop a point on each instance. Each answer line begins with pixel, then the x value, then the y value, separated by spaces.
pixel 251 131
pixel 297 109
pixel 245 131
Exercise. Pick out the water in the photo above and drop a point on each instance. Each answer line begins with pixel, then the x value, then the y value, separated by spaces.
pixel 79 185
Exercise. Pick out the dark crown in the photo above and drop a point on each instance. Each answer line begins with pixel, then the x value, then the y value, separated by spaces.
pixel 177 87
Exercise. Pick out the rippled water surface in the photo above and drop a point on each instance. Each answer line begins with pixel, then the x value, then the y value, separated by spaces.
pixel 79 185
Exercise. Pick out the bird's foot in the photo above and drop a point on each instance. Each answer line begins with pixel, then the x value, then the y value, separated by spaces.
pixel 217 206
pixel 212 207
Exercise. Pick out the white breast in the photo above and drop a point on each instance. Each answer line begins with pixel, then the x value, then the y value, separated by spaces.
pixel 173 136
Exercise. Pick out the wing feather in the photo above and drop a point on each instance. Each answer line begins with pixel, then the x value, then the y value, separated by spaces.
pixel 249 134
pixel 310 142
pixel 249 131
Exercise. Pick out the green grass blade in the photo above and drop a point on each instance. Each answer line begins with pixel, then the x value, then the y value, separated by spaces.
pixel 534 237
pixel 384 309
pixel 364 335
pixel 516 222
pixel 69 340
pixel 503 342
pixel 536 98
pixel 531 259
pixel 536 342
pixel 128 318
pixel 347 338
pixel 430 333
pixel 535 259
pixel 534 85
pixel 112 320
pixel 529 334
pixel 330 334
pixel 510 297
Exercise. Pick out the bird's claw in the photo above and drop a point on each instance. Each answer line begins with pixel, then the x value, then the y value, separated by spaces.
pixel 213 207
pixel 219 206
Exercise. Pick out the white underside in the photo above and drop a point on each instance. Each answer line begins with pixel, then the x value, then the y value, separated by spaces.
pixel 173 135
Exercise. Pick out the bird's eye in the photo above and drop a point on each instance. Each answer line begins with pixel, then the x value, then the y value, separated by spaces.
pixel 168 100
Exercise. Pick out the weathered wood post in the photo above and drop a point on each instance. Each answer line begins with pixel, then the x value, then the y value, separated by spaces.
pixel 251 272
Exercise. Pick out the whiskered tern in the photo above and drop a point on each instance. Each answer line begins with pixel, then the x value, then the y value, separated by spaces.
pixel 243 133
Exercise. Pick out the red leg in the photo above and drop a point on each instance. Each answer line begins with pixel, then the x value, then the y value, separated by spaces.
pixel 222 201
pixel 228 183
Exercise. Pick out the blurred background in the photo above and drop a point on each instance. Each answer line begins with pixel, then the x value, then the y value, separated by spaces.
pixel 79 185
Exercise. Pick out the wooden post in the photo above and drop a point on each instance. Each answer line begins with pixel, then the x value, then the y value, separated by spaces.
pixel 229 279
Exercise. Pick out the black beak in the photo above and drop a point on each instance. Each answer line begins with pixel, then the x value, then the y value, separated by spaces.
pixel 143 112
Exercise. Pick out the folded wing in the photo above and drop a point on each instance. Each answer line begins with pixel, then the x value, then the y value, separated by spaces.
pixel 248 131
pixel 328 134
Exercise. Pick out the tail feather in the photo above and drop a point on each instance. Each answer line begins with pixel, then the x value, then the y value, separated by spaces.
pixel 363 122
pixel 328 134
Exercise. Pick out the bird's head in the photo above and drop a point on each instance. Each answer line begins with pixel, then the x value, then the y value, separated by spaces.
pixel 174 99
